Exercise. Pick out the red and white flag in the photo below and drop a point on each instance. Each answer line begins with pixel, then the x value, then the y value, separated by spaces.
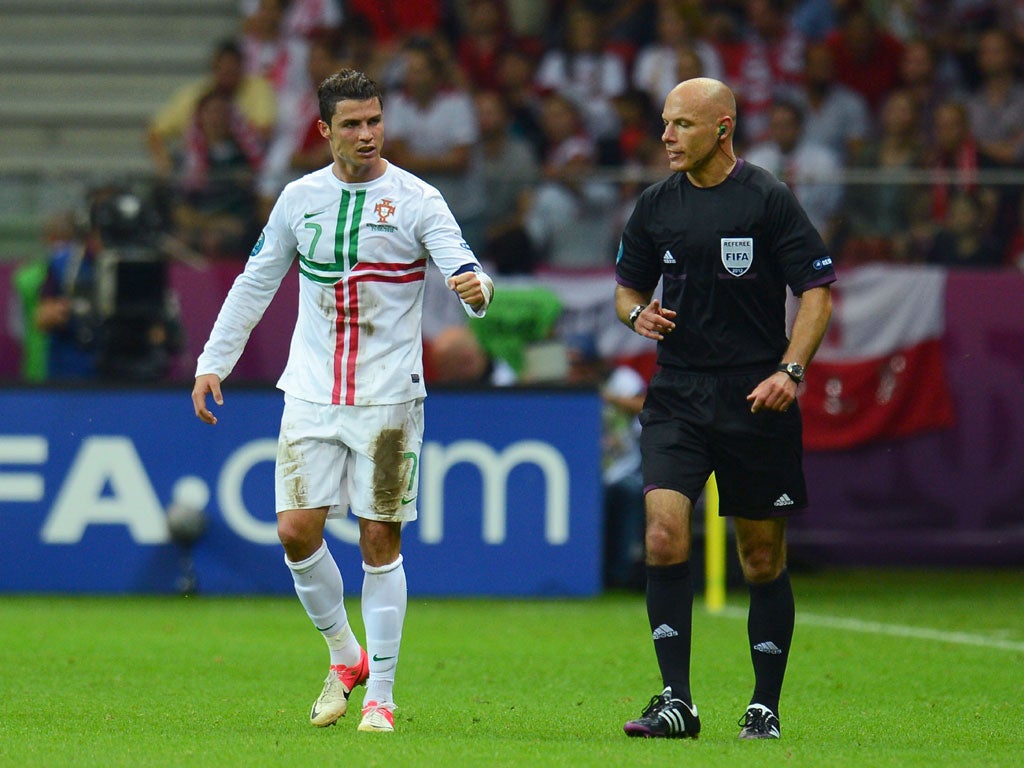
pixel 880 372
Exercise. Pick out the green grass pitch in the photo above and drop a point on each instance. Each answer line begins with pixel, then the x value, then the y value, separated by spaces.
pixel 888 668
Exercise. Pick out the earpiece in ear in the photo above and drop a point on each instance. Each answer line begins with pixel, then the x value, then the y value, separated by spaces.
pixel 721 130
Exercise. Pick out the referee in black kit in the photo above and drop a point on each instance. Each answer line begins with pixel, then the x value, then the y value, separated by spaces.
pixel 725 238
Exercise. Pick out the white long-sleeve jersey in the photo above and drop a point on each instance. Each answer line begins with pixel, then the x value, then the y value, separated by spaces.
pixel 363 251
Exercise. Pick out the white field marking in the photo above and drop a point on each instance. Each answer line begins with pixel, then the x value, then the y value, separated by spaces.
pixel 896 630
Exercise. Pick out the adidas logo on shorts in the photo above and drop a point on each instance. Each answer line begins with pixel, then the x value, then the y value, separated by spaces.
pixel 784 501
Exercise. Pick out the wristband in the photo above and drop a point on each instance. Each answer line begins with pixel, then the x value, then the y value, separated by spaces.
pixel 485 289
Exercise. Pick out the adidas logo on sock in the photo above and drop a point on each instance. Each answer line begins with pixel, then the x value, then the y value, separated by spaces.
pixel 768 647
pixel 784 501
pixel 668 258
pixel 664 631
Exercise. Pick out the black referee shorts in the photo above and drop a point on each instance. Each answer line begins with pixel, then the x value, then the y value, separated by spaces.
pixel 695 424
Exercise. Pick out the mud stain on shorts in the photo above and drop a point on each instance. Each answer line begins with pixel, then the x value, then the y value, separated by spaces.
pixel 389 475
pixel 289 462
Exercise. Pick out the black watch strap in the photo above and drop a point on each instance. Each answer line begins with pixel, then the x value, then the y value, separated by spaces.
pixel 795 371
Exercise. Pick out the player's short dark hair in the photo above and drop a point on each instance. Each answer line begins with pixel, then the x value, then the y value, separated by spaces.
pixel 342 85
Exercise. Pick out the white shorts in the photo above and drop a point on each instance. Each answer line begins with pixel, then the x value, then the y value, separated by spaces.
pixel 349 456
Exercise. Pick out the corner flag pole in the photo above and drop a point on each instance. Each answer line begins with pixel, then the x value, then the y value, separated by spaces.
pixel 714 549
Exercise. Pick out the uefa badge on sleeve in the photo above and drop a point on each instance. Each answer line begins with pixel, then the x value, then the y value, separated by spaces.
pixel 259 244
pixel 737 254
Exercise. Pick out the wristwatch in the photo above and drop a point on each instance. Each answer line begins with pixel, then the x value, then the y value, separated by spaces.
pixel 795 371
pixel 635 313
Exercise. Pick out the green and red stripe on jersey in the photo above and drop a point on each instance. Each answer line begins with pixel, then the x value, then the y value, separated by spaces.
pixel 347 322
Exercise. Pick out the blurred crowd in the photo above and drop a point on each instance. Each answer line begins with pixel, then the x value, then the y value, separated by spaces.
pixel 894 121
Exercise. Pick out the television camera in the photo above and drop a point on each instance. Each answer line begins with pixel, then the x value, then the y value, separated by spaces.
pixel 136 322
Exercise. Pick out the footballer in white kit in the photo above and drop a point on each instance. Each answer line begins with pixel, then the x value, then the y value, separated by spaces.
pixel 362 231
pixel 362 255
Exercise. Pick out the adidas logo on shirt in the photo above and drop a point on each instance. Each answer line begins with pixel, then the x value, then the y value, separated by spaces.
pixel 784 501
pixel 668 258
pixel 664 631
pixel 768 647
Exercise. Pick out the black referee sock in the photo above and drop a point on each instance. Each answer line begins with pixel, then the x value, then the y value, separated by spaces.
pixel 770 629
pixel 670 612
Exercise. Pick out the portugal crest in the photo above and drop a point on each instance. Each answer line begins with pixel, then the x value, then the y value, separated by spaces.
pixel 384 208
pixel 737 254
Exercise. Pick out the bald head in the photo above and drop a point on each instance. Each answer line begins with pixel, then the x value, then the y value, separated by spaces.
pixel 706 96
pixel 700 119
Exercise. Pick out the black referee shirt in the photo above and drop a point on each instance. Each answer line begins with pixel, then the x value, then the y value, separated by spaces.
pixel 726 254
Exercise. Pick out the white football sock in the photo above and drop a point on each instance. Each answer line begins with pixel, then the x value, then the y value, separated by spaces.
pixel 384 603
pixel 322 593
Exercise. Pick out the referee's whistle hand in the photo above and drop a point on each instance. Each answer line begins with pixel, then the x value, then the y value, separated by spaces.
pixel 655 322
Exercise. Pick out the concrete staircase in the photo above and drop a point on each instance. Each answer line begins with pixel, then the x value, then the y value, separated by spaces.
pixel 78 81
pixel 79 78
